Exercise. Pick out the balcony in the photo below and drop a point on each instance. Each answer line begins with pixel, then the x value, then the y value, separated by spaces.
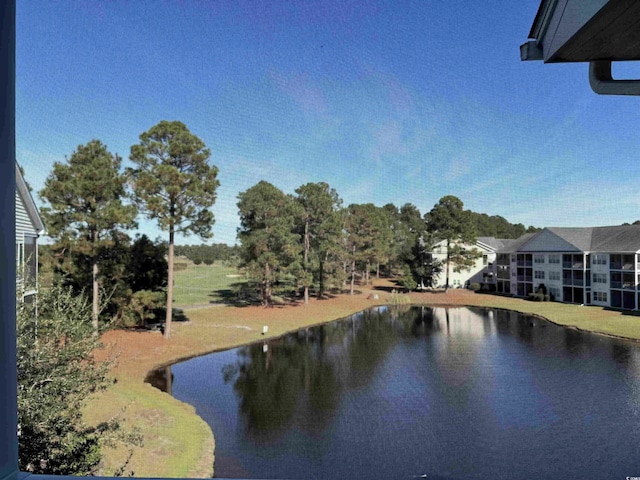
pixel 622 266
pixel 573 265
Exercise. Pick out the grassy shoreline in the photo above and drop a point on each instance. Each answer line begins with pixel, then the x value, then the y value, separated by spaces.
pixel 179 443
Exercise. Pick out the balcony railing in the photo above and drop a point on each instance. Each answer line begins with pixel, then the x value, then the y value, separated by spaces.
pixel 622 266
pixel 525 278
pixel 615 284
pixel 573 265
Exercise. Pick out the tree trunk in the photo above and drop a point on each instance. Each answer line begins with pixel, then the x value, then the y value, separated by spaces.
pixel 267 285
pixel 353 276
pixel 96 295
pixel 353 269
pixel 446 286
pixel 321 279
pixel 306 260
pixel 167 324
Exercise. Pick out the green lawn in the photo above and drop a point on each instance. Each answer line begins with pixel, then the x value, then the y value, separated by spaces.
pixel 204 284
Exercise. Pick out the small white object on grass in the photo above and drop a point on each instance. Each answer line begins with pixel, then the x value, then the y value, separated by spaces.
pixel 265 329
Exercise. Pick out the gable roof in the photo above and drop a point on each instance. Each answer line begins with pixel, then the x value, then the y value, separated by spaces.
pixel 513 244
pixel 491 242
pixel 580 238
pixel 29 204
pixel 622 238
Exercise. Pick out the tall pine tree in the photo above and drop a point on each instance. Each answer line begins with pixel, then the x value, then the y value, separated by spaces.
pixel 86 210
pixel 270 247
pixel 174 184
pixel 319 227
pixel 448 221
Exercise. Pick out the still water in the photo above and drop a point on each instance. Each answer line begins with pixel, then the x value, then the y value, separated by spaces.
pixel 446 393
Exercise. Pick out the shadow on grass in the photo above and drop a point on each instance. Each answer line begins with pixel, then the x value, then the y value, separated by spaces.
pixel 633 313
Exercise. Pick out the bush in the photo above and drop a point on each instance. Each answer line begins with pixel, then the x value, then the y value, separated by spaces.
pixel 475 287
pixel 547 298
pixel 178 266
pixel 56 375
pixel 141 307
pixel 197 261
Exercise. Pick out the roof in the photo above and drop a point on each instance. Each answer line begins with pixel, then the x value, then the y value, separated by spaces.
pixel 621 238
pixel 582 31
pixel 29 204
pixel 492 242
pixel 512 245
pixel 596 31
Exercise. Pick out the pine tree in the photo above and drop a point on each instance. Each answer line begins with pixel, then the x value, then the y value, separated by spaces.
pixel 87 212
pixel 270 247
pixel 174 184
pixel 448 221
pixel 319 227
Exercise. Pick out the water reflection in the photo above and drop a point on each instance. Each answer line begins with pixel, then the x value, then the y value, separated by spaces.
pixel 391 393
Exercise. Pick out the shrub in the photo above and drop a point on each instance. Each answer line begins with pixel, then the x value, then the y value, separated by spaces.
pixel 535 297
pixel 475 287
pixel 197 261
pixel 142 305
pixel 406 280
pixel 56 374
pixel 547 298
pixel 399 299
pixel 178 266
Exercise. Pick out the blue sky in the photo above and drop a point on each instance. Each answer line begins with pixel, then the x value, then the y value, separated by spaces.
pixel 394 101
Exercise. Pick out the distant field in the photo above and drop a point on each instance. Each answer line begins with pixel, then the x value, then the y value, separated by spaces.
pixel 202 284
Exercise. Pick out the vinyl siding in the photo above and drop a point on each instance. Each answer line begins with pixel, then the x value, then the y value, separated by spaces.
pixel 23 223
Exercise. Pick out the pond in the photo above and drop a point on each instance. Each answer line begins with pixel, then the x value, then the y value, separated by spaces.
pixel 402 393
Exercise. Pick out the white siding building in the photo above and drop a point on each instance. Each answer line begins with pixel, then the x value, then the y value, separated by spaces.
pixel 29 227
pixel 482 270
pixel 590 266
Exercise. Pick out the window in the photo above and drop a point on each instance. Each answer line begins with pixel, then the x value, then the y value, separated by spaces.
pixel 599 278
pixel 600 259
pixel 554 275
pixel 599 296
pixel 538 258
pixel 539 274
pixel 485 260
pixel 554 258
pixel 555 293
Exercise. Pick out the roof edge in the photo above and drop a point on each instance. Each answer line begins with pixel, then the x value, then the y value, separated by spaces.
pixel 30 205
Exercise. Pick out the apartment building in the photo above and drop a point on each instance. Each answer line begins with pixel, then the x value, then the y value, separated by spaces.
pixel 590 266
pixel 482 270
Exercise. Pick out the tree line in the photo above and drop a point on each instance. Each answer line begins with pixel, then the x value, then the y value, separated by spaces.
pixel 309 240
pixel 306 241
pixel 208 254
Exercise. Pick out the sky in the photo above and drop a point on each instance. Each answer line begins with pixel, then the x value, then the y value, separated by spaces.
pixel 386 101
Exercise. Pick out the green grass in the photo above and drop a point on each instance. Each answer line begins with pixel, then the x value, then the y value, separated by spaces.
pixel 177 442
pixel 204 284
